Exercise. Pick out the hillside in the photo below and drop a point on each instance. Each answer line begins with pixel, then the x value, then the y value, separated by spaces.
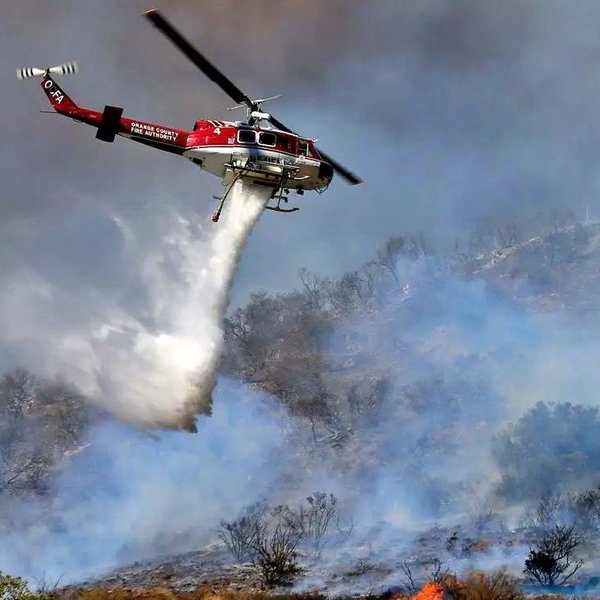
pixel 41 423
pixel 402 388
pixel 557 271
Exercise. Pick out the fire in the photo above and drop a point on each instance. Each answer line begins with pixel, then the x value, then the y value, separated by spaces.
pixel 430 591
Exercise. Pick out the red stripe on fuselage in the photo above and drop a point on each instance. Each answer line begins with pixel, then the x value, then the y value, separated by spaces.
pixel 142 130
pixel 206 134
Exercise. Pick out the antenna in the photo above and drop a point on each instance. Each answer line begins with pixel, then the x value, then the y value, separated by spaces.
pixel 253 113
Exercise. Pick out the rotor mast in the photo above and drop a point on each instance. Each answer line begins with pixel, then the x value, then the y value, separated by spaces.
pixel 252 106
pixel 253 116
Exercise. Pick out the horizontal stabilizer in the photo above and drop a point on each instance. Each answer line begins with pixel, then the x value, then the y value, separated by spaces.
pixel 109 127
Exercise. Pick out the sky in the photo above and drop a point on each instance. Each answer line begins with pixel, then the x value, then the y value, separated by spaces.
pixel 457 115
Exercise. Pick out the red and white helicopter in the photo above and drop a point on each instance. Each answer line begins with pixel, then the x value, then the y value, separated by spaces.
pixel 271 154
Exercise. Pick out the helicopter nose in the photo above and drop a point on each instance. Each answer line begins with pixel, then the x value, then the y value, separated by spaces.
pixel 325 171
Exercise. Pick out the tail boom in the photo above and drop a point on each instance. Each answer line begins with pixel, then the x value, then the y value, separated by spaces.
pixel 110 123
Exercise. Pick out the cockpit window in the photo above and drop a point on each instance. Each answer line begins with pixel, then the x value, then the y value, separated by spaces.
pixel 267 138
pixel 247 136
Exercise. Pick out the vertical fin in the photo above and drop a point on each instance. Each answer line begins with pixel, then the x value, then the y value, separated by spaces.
pixel 58 98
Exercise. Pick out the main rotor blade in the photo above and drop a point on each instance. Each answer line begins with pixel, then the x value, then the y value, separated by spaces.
pixel 204 65
pixel 350 177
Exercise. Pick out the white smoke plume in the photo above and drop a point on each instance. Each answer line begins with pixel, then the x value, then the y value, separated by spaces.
pixel 126 496
pixel 151 363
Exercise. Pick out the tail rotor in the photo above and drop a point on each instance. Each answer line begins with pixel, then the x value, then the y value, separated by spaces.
pixel 69 68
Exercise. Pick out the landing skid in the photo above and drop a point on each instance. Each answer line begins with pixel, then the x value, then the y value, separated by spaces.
pixel 283 210
pixel 281 194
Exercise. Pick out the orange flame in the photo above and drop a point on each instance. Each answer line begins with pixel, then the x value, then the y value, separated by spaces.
pixel 430 591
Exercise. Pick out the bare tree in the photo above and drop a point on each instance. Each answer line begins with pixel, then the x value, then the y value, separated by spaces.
pixel 408 578
pixel 506 235
pixel 552 558
pixel 416 573
pixel 315 288
pixel 481 518
pixel 344 533
pixel 586 508
pixel 371 282
pixel 435 570
pixel 540 518
pixel 387 257
pixel 315 520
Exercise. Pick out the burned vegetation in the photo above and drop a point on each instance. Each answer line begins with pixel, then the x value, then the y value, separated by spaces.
pixel 41 422
pixel 398 383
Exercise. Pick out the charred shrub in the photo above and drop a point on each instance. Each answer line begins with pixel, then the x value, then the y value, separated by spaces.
pixel 241 536
pixel 360 568
pixel 275 547
pixel 270 539
pixel 479 586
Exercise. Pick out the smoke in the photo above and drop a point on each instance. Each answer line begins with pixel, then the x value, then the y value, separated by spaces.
pixel 126 496
pixel 456 114
pixel 460 359
pixel 150 362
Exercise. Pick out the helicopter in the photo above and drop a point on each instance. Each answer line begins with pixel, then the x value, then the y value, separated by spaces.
pixel 261 150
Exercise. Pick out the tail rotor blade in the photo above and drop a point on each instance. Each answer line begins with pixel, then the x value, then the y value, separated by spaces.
pixel 28 72
pixel 69 68
pixel 65 69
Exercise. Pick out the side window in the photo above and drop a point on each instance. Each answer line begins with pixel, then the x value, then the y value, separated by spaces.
pixel 303 148
pixel 247 136
pixel 266 138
